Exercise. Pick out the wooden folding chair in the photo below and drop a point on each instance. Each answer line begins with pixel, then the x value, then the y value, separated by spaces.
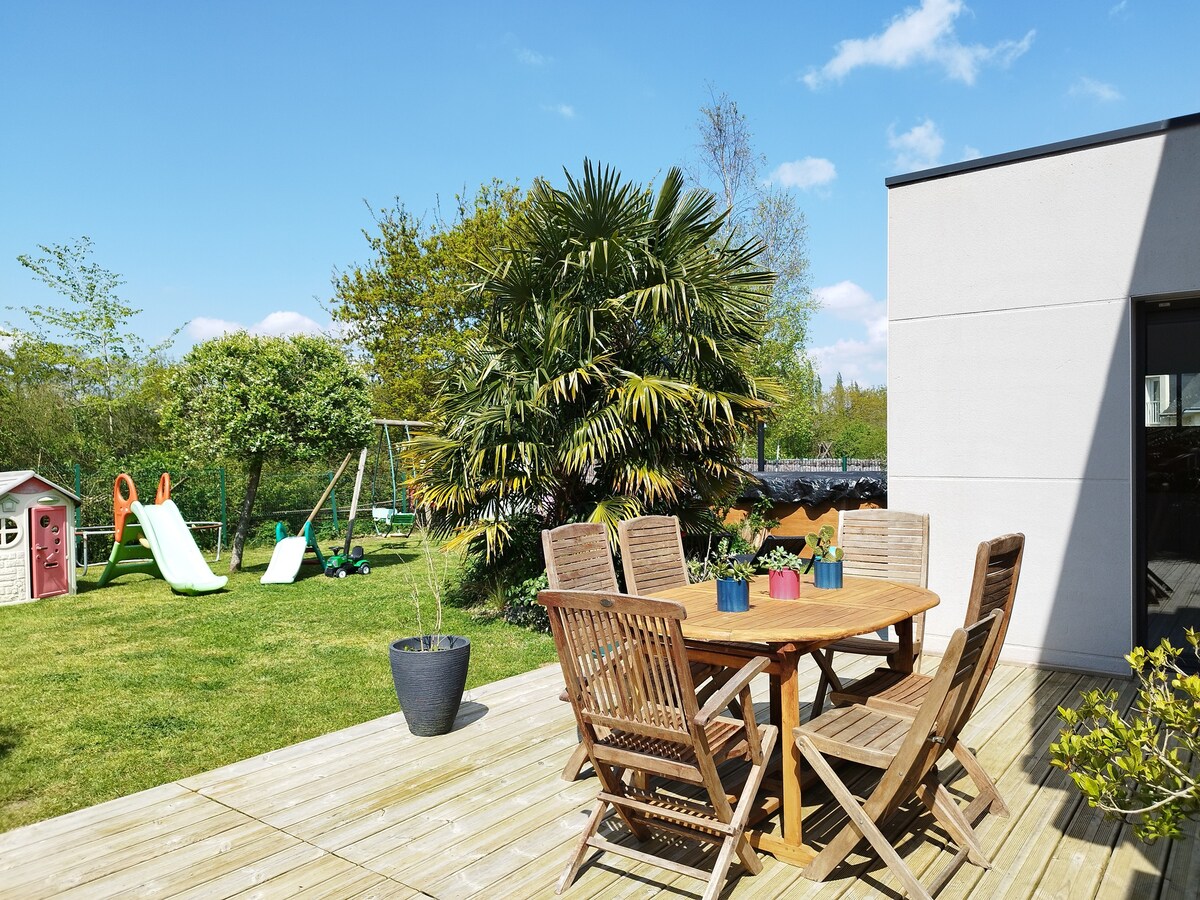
pixel 652 554
pixel 877 543
pixel 631 689
pixel 993 587
pixel 578 559
pixel 907 750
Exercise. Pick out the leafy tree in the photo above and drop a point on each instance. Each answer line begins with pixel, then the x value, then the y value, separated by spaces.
pixel 410 307
pixel 256 399
pixel 613 377
pixel 771 215
pixel 852 421
pixel 1139 765
pixel 82 364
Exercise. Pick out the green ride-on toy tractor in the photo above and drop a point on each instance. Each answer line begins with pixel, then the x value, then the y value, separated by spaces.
pixel 339 565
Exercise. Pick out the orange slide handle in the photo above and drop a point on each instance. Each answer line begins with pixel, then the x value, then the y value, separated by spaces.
pixel 164 488
pixel 121 504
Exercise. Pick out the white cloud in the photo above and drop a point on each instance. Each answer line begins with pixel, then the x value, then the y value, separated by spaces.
pixel 918 148
pixel 531 57
pixel 970 152
pixel 1096 90
pixel 7 341
pixel 923 34
pixel 566 110
pixel 805 173
pixel 1118 8
pixel 282 322
pixel 202 328
pixel 858 359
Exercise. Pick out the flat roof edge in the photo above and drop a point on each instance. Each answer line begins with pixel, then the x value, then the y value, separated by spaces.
pixel 1081 143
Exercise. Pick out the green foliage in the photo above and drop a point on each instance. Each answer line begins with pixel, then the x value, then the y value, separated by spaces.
pixel 410 307
pixel 255 399
pixel 822 546
pixel 81 385
pixel 1139 765
pixel 613 378
pixel 720 563
pixel 780 559
pixel 521 606
pixel 852 421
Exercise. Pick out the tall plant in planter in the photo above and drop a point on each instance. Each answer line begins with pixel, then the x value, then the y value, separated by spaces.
pixel 614 375
pixel 429 670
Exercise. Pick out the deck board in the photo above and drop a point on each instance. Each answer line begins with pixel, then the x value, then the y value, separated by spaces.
pixel 373 812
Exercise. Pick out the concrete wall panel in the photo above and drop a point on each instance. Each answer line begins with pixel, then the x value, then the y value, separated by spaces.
pixel 1062 229
pixel 1034 393
pixel 1072 607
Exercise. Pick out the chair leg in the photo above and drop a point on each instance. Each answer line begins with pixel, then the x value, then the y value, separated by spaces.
pixel 828 678
pixel 982 779
pixel 716 880
pixel 860 826
pixel 575 764
pixel 581 848
pixel 938 801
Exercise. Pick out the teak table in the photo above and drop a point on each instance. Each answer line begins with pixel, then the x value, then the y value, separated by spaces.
pixel 783 631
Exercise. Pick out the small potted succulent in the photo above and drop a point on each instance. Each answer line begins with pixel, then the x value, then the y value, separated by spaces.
pixel 827 558
pixel 732 575
pixel 783 571
pixel 733 583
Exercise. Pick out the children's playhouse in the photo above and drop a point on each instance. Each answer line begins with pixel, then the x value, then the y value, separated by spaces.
pixel 37 537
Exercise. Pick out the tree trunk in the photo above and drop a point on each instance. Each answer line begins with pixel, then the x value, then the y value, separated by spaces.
pixel 243 525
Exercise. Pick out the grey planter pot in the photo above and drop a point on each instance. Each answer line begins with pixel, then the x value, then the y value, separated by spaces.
pixel 429 683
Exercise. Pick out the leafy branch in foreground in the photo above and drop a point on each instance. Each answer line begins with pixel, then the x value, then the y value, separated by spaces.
pixel 1139 766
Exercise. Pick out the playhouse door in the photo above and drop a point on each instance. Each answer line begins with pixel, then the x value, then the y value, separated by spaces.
pixel 48 532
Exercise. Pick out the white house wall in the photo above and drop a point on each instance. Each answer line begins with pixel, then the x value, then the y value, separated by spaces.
pixel 1010 383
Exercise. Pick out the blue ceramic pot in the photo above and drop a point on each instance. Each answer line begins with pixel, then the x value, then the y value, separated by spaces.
pixel 733 596
pixel 827 575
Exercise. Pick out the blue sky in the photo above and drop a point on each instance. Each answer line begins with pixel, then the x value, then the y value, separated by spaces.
pixel 218 154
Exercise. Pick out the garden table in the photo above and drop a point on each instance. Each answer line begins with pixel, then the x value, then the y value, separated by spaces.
pixel 783 631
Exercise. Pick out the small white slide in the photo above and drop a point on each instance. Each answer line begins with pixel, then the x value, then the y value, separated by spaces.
pixel 179 559
pixel 285 561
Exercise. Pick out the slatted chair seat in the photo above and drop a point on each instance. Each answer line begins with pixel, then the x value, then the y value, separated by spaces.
pixel 637 711
pixel 719 734
pixel 906 749
pixel 885 689
pixel 870 737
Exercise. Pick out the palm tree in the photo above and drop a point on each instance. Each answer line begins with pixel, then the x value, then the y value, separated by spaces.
pixel 613 377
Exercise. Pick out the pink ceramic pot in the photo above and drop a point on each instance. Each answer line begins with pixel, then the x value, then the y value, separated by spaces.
pixel 784 584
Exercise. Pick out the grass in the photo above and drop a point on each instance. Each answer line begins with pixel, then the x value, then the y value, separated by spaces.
pixel 125 687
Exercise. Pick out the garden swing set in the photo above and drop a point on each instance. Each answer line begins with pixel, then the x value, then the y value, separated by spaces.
pixel 398 518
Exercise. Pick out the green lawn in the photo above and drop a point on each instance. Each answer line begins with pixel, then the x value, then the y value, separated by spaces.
pixel 129 686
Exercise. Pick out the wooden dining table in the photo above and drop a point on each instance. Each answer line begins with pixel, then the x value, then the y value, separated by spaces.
pixel 784 631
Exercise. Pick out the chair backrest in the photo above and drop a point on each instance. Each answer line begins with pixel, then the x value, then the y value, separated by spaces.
pixel 624 663
pixel 994 587
pixel 885 543
pixel 652 554
pixel 947 707
pixel 578 558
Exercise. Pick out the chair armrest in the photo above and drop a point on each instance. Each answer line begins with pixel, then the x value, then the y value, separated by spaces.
pixel 734 686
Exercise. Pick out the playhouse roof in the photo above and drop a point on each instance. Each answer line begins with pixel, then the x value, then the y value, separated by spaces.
pixel 10 481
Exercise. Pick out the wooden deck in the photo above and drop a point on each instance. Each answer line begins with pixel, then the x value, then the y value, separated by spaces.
pixel 373 812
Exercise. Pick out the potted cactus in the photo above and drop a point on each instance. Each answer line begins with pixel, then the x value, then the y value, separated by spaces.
pixel 733 584
pixel 827 559
pixel 783 572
